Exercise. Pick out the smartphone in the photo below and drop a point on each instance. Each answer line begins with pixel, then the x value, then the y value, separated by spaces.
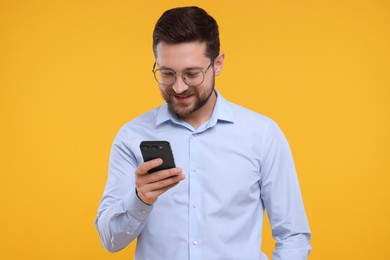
pixel 158 149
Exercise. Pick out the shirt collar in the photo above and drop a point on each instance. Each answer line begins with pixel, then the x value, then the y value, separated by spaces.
pixel 222 111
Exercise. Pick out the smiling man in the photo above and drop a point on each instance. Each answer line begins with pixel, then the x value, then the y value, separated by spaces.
pixel 233 164
pixel 191 94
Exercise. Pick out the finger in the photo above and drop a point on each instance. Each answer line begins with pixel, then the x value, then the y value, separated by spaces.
pixel 144 167
pixel 163 174
pixel 158 176
pixel 150 196
pixel 166 182
pixel 151 191
pixel 157 193
pixel 143 182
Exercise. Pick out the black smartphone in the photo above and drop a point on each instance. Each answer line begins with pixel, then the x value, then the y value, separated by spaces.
pixel 158 149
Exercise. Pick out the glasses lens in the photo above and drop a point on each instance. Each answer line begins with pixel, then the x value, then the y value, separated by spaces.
pixel 193 77
pixel 165 77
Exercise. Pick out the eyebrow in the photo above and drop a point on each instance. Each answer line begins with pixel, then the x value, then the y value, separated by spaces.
pixel 185 69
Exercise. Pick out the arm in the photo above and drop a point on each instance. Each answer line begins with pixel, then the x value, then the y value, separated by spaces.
pixel 281 195
pixel 122 214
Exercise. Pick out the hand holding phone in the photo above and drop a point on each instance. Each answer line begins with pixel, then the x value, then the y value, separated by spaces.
pixel 150 186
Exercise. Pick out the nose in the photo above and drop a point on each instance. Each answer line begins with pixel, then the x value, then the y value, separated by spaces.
pixel 179 86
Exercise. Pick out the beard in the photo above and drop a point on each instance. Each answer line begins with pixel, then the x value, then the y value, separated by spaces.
pixel 200 94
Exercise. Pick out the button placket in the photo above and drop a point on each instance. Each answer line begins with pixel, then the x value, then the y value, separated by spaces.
pixel 195 219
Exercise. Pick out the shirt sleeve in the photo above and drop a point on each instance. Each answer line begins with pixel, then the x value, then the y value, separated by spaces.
pixel 121 214
pixel 282 198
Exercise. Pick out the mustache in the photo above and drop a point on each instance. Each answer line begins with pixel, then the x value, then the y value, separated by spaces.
pixel 187 93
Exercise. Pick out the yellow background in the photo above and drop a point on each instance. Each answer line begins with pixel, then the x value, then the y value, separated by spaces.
pixel 73 72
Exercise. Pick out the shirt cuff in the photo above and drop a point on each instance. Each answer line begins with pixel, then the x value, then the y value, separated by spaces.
pixel 293 254
pixel 136 207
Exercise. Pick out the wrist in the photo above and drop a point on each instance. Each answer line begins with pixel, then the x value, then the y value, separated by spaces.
pixel 139 197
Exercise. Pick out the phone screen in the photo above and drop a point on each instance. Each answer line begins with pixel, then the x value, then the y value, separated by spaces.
pixel 158 149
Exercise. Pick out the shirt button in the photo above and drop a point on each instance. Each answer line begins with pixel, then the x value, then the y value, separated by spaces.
pixel 194 205
pixel 194 242
pixel 194 169
pixel 143 212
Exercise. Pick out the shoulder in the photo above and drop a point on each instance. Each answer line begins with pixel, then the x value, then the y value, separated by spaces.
pixel 250 118
pixel 143 123
pixel 254 124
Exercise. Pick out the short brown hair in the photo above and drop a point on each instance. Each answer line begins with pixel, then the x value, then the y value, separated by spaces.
pixel 187 24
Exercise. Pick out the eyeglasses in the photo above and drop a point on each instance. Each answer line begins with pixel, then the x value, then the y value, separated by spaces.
pixel 191 77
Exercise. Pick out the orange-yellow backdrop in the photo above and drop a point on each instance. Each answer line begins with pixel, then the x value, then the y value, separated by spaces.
pixel 73 72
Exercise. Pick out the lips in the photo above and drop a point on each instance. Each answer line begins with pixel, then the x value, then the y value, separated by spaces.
pixel 183 99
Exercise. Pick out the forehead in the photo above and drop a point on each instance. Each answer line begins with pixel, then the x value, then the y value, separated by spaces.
pixel 182 55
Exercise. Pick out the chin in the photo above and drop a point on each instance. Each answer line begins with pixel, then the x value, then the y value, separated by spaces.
pixel 182 111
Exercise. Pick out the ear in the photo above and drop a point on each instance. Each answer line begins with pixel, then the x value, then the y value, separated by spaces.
pixel 218 63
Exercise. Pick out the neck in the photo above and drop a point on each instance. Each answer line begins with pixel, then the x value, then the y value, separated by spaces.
pixel 198 117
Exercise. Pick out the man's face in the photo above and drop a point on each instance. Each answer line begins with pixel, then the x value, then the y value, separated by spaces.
pixel 185 100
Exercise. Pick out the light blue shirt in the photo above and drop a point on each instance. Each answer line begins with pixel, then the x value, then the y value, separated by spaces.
pixel 237 164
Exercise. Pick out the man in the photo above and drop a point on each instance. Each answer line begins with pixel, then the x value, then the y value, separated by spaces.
pixel 234 163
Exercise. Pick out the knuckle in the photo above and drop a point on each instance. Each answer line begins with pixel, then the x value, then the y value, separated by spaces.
pixel 138 182
pixel 169 181
pixel 139 170
pixel 149 196
pixel 160 174
pixel 141 190
pixel 164 183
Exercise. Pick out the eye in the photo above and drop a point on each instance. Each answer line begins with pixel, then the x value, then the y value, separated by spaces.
pixel 167 73
pixel 192 74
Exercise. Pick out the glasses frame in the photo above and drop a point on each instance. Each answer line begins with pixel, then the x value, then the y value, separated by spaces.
pixel 204 71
